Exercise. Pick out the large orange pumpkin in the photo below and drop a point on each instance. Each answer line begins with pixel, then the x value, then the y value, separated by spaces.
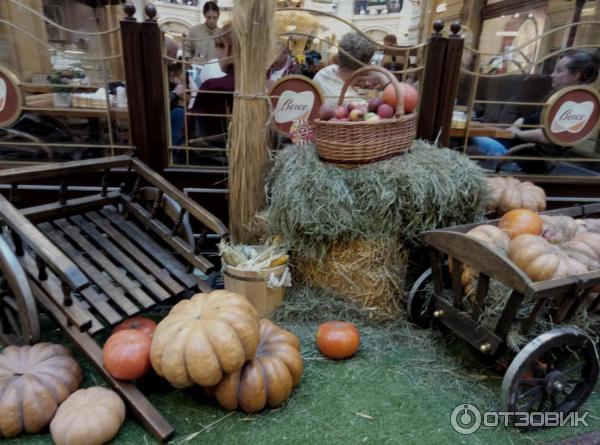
pixel 338 339
pixel 143 324
pixel 521 222
pixel 126 354
pixel 268 378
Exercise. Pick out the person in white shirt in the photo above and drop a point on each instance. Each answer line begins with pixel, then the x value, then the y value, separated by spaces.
pixel 354 52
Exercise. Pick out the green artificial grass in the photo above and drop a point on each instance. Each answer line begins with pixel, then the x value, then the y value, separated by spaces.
pixel 399 389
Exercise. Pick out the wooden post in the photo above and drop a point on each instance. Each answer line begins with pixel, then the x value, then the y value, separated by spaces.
pixel 154 86
pixel 449 86
pixel 142 56
pixel 576 17
pixel 133 61
pixel 434 70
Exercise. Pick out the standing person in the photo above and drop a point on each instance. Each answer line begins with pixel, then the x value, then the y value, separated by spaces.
pixel 216 103
pixel 200 45
pixel 282 66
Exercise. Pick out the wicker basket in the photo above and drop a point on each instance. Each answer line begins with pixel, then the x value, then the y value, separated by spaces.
pixel 351 144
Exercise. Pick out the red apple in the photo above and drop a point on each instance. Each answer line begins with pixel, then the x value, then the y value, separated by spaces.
pixel 326 112
pixel 409 96
pixel 353 105
pixel 374 104
pixel 385 111
pixel 356 115
pixel 341 112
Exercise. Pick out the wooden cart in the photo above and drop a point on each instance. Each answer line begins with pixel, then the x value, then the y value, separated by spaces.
pixel 92 261
pixel 557 370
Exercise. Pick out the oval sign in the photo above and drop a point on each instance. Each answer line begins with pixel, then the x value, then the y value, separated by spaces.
pixel 294 98
pixel 10 97
pixel 571 115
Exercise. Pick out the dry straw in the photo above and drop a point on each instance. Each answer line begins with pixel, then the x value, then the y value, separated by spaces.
pixel 254 43
pixel 369 273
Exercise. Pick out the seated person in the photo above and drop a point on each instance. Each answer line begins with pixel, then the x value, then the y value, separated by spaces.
pixel 575 67
pixel 215 103
pixel 282 66
pixel 354 52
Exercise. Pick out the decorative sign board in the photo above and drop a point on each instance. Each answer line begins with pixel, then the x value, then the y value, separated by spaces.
pixel 295 99
pixel 10 97
pixel 571 115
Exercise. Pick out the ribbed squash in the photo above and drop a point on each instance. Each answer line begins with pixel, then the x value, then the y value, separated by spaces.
pixel 559 229
pixel 205 337
pixel 510 193
pixel 267 379
pixel 91 416
pixel 491 236
pixel 541 260
pixel 34 380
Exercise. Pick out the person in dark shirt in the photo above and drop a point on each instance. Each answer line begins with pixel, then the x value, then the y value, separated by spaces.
pixel 575 67
pixel 216 103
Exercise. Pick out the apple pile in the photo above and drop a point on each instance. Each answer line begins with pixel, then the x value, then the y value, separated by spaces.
pixel 377 109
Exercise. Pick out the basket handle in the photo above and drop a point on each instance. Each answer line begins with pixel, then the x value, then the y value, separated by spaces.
pixel 391 78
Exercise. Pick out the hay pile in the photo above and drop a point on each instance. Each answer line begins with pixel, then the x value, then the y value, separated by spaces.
pixel 345 224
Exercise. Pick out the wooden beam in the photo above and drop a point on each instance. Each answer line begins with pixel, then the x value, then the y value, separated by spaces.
pixel 54 258
pixel 195 209
pixel 73 206
pixel 60 169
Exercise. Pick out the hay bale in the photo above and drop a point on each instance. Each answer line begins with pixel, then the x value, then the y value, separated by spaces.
pixel 369 273
pixel 313 204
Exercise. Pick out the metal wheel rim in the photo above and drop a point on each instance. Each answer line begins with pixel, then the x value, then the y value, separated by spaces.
pixel 532 356
pixel 415 301
pixel 17 308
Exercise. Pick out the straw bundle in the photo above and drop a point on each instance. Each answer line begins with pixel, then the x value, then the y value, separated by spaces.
pixel 369 273
pixel 253 27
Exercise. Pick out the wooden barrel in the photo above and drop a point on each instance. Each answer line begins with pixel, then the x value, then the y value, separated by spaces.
pixel 253 284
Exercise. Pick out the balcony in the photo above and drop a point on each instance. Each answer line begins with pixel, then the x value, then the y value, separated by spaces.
pixel 377 7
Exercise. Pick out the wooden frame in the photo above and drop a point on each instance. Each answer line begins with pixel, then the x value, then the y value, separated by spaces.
pixel 92 261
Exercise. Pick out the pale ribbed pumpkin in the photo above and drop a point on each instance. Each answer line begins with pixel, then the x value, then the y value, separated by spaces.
pixel 541 260
pixel 91 416
pixel 267 379
pixel 559 228
pixel 34 380
pixel 205 337
pixel 510 193
pixel 491 236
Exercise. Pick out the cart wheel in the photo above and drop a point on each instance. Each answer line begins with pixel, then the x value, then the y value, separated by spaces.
pixel 555 372
pixel 419 305
pixel 19 321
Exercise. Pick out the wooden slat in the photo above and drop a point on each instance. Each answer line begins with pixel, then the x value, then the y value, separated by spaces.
pixel 73 206
pixel 480 256
pixel 436 271
pixel 509 314
pixel 151 247
pixel 76 315
pixel 105 264
pixel 119 256
pixel 143 216
pixel 463 326
pixel 96 276
pixel 529 321
pixel 99 302
pixel 96 325
pixel 195 209
pixel 457 289
pixel 147 263
pixel 483 284
pixel 61 169
pixel 135 400
pixel 53 257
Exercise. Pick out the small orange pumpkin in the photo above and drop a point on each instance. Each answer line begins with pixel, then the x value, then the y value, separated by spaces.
pixel 338 339
pixel 521 222
pixel 143 324
pixel 126 354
